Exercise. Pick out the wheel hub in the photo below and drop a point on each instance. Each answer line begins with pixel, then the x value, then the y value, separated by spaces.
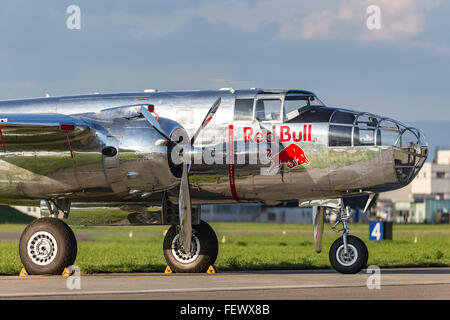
pixel 180 254
pixel 349 258
pixel 42 248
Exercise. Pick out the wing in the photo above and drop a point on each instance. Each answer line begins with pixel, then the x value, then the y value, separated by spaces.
pixel 38 121
pixel 21 131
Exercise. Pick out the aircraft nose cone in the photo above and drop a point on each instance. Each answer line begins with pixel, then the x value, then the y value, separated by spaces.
pixel 410 153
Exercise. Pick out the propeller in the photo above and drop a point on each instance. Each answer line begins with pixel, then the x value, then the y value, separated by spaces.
pixel 184 202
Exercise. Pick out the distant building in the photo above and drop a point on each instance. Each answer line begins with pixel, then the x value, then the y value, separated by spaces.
pixel 433 181
pixel 255 213
pixel 31 211
pixel 426 199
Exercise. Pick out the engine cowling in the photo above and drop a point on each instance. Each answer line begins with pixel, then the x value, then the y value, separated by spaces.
pixel 143 164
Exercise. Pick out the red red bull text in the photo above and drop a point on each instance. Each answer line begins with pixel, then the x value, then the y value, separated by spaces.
pixel 284 134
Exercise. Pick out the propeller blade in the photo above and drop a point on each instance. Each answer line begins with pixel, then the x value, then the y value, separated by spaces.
pixel 185 197
pixel 155 124
pixel 184 207
pixel 184 204
pixel 209 116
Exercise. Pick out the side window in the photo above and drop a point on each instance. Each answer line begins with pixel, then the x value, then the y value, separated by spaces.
pixel 389 137
pixel 366 137
pixel 388 133
pixel 268 109
pixel 343 117
pixel 367 121
pixel 243 109
pixel 340 136
pixel 365 132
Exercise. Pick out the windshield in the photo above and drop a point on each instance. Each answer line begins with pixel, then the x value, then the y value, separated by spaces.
pixel 292 104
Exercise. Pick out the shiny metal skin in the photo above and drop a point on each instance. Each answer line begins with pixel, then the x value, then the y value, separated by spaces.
pixel 38 165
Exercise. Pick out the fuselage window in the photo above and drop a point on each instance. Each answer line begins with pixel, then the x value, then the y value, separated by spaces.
pixel 343 117
pixel 364 134
pixel 389 137
pixel 408 139
pixel 340 136
pixel 368 121
pixel 366 137
pixel 389 124
pixel 268 109
pixel 389 133
pixel 243 109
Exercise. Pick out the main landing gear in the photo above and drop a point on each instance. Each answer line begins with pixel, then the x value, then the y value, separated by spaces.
pixel 203 249
pixel 348 254
pixel 47 246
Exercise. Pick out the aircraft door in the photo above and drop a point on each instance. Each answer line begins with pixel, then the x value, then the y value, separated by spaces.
pixel 242 170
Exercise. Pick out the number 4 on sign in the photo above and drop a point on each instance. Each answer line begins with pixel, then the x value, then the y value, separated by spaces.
pixel 376 231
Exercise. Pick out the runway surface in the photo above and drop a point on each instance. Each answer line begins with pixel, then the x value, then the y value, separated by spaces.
pixel 416 283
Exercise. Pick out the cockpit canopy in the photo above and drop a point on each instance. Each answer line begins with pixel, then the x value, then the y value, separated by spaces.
pixel 274 106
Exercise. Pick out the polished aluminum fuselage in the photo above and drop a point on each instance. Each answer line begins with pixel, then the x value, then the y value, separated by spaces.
pixel 37 164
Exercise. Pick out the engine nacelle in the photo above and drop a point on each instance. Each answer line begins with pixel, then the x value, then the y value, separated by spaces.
pixel 142 165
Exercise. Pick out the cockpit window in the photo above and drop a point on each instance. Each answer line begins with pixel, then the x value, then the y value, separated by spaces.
pixel 243 109
pixel 292 104
pixel 311 114
pixel 268 109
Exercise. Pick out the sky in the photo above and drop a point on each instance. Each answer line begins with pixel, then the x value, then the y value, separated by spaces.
pixel 400 70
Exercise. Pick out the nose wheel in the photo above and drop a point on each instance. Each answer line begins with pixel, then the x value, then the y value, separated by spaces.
pixel 203 251
pixel 352 261
pixel 348 254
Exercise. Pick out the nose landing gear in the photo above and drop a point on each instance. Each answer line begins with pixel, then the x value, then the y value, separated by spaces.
pixel 348 254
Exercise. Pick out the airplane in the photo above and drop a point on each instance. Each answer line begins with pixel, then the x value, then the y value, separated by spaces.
pixel 181 149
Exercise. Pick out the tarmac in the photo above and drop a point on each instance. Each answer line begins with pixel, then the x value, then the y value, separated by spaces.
pixel 405 283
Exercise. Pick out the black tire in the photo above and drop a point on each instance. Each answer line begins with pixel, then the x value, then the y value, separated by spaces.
pixel 355 263
pixel 45 233
pixel 205 248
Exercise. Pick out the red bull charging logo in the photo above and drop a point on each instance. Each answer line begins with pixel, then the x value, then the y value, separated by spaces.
pixel 293 155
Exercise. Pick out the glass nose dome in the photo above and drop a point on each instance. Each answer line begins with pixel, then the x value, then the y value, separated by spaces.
pixel 410 153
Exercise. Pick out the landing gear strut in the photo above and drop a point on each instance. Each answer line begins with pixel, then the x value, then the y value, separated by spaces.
pixel 348 254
